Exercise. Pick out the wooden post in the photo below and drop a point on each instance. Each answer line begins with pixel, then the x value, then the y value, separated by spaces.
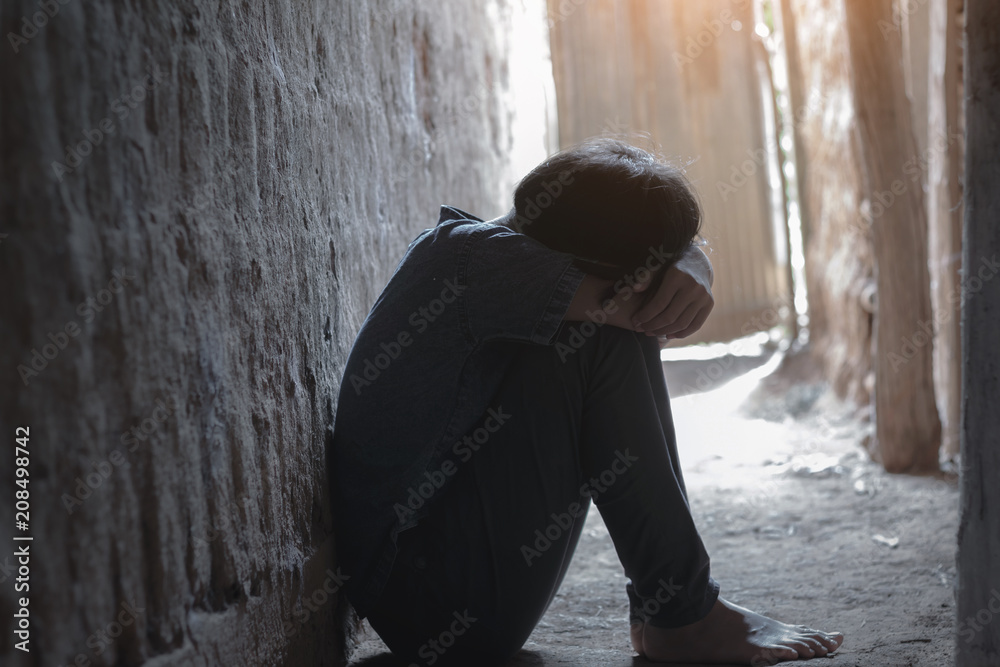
pixel 784 19
pixel 944 209
pixel 907 427
pixel 837 243
pixel 979 528
pixel 914 20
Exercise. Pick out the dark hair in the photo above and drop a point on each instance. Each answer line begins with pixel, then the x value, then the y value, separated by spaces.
pixel 607 202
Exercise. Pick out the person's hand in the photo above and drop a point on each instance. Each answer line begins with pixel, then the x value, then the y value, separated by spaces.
pixel 681 303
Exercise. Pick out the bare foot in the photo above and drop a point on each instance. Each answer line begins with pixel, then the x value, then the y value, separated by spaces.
pixel 732 634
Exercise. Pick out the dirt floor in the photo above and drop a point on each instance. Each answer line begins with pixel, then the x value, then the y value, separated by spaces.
pixel 800 526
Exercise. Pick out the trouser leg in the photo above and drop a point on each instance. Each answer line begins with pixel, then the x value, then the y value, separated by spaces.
pixel 583 423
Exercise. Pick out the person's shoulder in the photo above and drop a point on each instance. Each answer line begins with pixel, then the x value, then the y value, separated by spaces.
pixel 454 224
pixel 450 214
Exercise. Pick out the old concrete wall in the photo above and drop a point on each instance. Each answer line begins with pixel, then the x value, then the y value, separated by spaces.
pixel 200 202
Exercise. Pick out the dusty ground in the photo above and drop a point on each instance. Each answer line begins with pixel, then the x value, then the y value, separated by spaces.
pixel 800 526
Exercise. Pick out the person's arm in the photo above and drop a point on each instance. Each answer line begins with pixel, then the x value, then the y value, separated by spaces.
pixel 595 301
pixel 678 308
pixel 512 287
pixel 695 262
pixel 683 301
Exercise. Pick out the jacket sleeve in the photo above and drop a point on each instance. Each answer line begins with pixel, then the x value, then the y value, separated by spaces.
pixel 514 287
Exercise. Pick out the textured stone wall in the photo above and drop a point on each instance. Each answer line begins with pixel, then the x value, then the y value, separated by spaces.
pixel 200 201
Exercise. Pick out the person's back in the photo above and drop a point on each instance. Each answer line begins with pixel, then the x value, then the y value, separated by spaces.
pixel 507 375
pixel 422 371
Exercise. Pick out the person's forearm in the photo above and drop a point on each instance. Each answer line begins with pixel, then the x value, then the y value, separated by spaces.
pixel 591 303
pixel 695 263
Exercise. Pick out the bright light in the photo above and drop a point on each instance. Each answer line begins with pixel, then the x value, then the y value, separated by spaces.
pixel 762 30
pixel 748 346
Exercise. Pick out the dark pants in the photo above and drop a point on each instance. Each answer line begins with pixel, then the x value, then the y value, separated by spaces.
pixel 476 575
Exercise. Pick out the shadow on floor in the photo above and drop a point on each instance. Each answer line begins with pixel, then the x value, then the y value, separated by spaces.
pixel 522 659
pixel 529 659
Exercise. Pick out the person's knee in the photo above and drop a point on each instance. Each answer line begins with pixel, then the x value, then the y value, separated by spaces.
pixel 581 347
pixel 575 336
pixel 623 344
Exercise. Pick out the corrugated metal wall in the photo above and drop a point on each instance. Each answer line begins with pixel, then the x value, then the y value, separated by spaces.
pixel 692 76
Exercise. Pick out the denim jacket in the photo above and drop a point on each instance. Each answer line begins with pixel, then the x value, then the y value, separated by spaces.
pixel 426 363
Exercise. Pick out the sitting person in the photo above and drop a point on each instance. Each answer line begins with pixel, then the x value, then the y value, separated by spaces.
pixel 507 375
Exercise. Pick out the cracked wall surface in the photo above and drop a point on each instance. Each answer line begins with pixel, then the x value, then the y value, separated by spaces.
pixel 200 202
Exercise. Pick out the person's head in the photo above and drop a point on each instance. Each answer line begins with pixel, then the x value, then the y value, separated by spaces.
pixel 609 204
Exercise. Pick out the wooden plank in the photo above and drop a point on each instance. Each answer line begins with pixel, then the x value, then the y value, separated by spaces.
pixel 979 529
pixel 907 428
pixel 839 261
pixel 944 209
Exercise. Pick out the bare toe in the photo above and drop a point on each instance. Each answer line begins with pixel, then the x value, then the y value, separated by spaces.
pixel 818 647
pixel 732 634
pixel 801 648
